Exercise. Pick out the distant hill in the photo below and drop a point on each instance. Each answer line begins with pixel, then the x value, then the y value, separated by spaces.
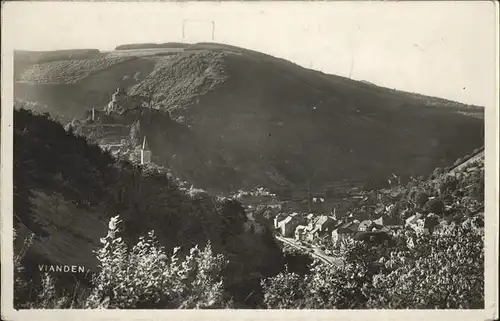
pixel 152 45
pixel 254 119
pixel 66 189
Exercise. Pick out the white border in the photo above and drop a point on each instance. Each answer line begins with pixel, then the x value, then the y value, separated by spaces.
pixel 491 234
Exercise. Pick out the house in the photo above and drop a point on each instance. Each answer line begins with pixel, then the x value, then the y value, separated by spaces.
pixel 366 225
pixel 374 237
pixel 389 222
pixel 300 232
pixel 325 224
pixel 423 224
pixel 301 219
pixel 313 234
pixel 379 209
pixel 361 216
pixel 278 218
pixel 345 231
pixel 287 226
pixel 412 220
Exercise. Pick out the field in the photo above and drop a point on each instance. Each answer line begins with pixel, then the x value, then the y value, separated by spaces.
pixel 67 71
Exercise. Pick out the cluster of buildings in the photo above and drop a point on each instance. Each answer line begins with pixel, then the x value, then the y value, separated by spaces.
pixel 312 228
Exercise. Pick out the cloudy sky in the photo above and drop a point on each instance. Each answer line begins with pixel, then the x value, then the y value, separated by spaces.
pixel 444 49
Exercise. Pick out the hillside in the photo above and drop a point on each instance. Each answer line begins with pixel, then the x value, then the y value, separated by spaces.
pixel 24 59
pixel 66 189
pixel 254 119
pixel 66 71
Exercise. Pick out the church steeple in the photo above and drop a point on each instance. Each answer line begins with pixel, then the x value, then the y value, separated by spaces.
pixel 145 152
pixel 145 144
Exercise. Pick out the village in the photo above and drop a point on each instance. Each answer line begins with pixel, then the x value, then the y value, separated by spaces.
pixel 320 222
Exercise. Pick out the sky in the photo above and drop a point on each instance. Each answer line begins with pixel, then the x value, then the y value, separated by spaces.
pixel 443 48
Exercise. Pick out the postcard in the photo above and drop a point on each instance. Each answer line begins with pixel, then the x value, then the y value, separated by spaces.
pixel 250 160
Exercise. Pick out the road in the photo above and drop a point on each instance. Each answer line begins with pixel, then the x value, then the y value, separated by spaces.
pixel 316 252
pixel 474 158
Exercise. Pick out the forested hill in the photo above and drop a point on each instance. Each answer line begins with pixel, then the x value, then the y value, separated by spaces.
pixel 65 191
pixel 263 121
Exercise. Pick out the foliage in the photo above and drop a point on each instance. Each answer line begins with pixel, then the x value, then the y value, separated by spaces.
pixel 284 291
pixel 435 206
pixel 145 277
pixel 325 287
pixel 140 277
pixel 21 287
pixel 443 270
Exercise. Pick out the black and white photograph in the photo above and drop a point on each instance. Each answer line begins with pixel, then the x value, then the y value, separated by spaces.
pixel 250 156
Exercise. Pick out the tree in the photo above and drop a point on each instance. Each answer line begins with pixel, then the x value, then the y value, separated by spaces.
pixel 435 206
pixel 416 280
pixel 448 185
pixel 285 291
pixel 135 133
pixel 421 199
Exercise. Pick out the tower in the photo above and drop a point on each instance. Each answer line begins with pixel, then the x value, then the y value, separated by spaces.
pixel 145 152
pixel 93 114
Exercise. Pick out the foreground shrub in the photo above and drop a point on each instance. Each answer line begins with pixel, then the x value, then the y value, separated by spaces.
pixel 444 270
pixel 145 277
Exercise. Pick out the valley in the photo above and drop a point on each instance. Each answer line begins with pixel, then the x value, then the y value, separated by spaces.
pixel 234 156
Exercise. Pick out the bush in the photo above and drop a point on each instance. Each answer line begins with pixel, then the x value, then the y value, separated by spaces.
pixel 140 277
pixel 145 277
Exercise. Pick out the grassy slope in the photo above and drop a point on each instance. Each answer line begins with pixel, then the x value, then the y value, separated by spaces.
pixel 67 71
pixel 24 59
pixel 68 95
pixel 266 121
pixel 66 189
